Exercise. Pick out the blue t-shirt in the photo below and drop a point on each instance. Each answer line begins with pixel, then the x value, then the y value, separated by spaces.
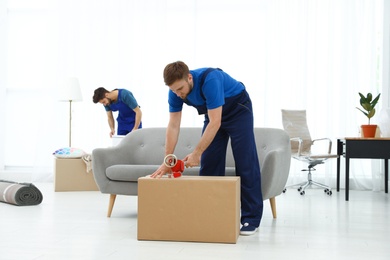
pixel 124 96
pixel 217 86
pixel 124 104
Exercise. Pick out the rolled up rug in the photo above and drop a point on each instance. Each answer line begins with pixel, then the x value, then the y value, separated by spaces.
pixel 20 194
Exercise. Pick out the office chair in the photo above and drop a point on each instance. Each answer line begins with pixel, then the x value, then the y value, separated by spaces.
pixel 295 124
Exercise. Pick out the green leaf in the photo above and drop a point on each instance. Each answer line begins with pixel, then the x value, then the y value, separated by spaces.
pixel 371 113
pixel 362 111
pixel 373 103
pixel 368 105
pixel 369 97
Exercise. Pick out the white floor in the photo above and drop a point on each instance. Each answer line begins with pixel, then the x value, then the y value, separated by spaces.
pixel 73 225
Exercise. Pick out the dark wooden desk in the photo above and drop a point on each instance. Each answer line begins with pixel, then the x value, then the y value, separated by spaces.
pixel 365 148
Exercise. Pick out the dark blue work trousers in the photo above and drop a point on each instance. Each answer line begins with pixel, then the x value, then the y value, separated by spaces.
pixel 237 124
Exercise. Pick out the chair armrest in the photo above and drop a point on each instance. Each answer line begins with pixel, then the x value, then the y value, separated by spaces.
pixel 300 141
pixel 325 139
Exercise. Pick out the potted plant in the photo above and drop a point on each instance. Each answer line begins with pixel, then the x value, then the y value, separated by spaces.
pixel 368 104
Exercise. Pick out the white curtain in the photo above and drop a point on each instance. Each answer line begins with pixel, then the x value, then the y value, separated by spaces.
pixel 293 54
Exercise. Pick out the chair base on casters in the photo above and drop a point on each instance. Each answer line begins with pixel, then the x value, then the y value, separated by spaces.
pixel 309 182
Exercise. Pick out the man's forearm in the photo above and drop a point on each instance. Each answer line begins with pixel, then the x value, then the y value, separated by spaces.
pixel 138 118
pixel 207 137
pixel 172 134
pixel 171 138
pixel 210 131
pixel 111 124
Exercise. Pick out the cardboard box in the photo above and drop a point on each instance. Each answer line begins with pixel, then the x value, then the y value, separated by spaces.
pixel 116 139
pixel 71 175
pixel 189 208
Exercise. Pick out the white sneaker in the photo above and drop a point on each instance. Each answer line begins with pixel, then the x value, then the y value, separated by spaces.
pixel 247 230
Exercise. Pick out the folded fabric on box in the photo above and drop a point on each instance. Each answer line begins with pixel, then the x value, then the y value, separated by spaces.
pixel 87 158
pixel 20 194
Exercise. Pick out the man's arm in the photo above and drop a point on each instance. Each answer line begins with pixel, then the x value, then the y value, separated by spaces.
pixel 215 116
pixel 172 135
pixel 111 122
pixel 138 117
pixel 129 100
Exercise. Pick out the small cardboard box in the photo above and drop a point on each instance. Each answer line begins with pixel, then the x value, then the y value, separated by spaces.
pixel 71 175
pixel 189 208
pixel 116 139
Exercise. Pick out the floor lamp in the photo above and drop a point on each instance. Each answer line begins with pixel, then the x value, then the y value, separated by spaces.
pixel 71 92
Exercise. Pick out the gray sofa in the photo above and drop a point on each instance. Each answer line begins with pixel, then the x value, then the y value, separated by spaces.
pixel 117 169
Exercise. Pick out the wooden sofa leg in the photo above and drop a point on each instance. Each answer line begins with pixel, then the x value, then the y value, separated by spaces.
pixel 111 204
pixel 272 202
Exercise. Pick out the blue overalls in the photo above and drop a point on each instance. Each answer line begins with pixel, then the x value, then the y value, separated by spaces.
pixel 126 117
pixel 237 123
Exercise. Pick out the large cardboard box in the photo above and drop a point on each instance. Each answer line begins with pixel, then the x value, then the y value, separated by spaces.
pixel 72 175
pixel 189 208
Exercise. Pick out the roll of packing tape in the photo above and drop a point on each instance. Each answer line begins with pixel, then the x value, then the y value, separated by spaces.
pixel 170 160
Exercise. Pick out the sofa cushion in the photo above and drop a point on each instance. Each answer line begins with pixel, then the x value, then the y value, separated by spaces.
pixel 230 171
pixel 126 172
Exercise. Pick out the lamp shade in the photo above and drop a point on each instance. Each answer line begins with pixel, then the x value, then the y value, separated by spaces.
pixel 71 90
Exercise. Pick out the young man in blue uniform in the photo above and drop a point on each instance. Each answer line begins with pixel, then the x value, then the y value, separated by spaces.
pixel 121 100
pixel 227 108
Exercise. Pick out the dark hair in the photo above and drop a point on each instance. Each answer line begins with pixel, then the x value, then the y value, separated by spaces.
pixel 99 94
pixel 175 71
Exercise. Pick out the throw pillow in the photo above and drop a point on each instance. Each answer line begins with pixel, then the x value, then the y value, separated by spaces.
pixel 69 152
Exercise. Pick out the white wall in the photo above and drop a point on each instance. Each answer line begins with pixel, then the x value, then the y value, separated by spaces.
pixel 386 55
pixel 3 75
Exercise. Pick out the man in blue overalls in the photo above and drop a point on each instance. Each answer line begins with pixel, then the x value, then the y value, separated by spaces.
pixel 228 114
pixel 121 100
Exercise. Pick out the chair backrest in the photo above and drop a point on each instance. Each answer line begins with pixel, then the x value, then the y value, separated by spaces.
pixel 295 124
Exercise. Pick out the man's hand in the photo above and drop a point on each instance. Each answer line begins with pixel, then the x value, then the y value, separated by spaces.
pixel 191 160
pixel 161 171
pixel 112 133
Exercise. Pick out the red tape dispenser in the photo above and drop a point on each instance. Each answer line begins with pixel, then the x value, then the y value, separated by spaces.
pixel 177 166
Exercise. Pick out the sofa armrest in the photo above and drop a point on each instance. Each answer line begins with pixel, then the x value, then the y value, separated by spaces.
pixel 102 158
pixel 274 172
